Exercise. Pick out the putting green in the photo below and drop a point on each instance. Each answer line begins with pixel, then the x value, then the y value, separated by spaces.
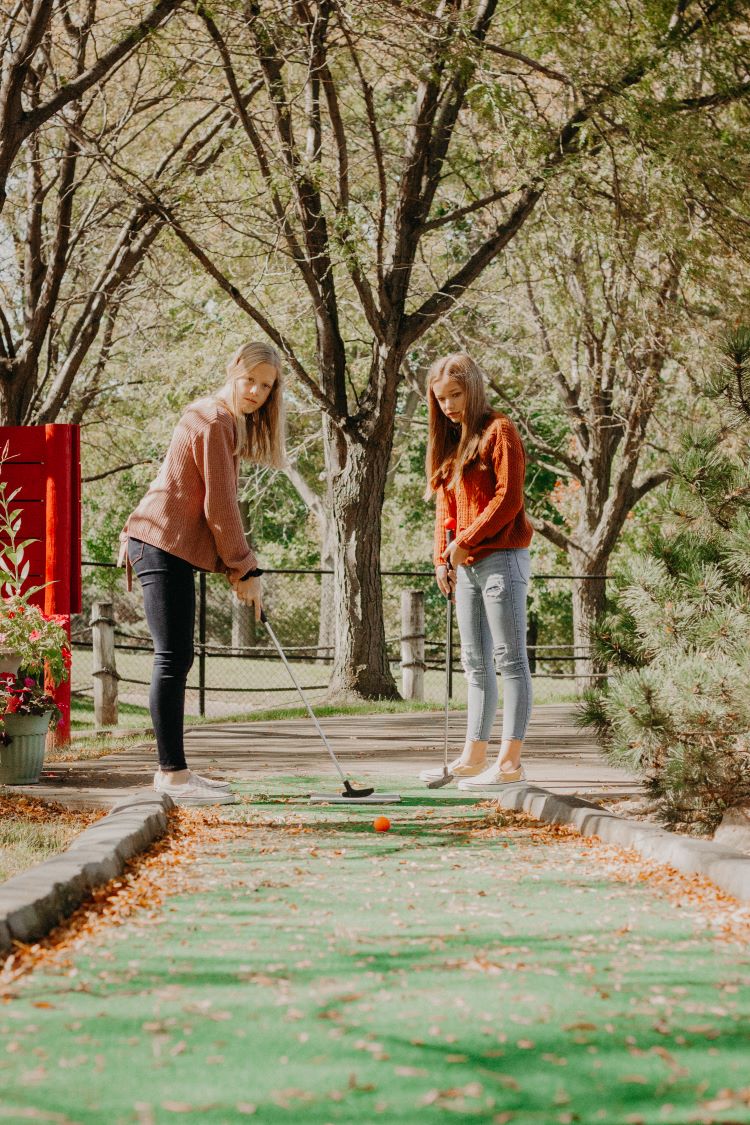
pixel 466 966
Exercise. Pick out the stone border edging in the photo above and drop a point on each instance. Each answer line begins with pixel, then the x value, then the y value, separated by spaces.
pixel 35 901
pixel 729 869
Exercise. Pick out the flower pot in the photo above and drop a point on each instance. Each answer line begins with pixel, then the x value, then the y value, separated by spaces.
pixel 22 760
pixel 9 661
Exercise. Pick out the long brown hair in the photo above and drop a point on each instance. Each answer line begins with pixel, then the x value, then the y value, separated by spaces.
pixel 260 435
pixel 450 448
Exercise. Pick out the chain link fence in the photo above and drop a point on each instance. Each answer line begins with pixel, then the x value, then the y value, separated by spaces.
pixel 237 669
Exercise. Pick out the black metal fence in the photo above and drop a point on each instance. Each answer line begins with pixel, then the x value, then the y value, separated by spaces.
pixel 236 666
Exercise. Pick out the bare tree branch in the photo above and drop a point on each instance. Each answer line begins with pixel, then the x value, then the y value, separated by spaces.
pixel 309 206
pixel 460 212
pixel 533 64
pixel 569 395
pixel 538 443
pixel 16 123
pixel 117 469
pixel 552 532
pixel 281 341
pixel 377 148
pixel 566 143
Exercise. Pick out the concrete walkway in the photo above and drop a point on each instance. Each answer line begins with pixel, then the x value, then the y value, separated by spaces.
pixel 558 756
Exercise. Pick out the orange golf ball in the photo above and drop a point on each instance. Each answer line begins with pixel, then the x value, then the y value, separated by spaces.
pixel 381 824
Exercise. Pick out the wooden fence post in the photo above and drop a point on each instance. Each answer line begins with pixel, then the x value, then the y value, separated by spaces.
pixel 412 644
pixel 104 666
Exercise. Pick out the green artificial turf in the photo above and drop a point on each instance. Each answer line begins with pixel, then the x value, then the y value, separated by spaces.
pixel 456 969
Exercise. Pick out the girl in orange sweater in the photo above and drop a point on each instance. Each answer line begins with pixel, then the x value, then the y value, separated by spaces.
pixel 190 519
pixel 476 466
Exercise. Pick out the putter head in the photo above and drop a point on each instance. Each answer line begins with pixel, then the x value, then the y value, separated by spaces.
pixel 441 781
pixel 353 794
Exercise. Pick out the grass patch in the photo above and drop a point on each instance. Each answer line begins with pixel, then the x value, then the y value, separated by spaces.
pixel 129 714
pixel 97 745
pixel 266 689
pixel 324 711
pixel 132 715
pixel 32 831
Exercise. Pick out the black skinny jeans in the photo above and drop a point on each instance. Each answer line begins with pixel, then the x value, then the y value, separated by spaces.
pixel 169 601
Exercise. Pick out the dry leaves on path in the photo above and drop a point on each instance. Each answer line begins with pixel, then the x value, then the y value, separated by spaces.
pixel 146 881
pixel 38 811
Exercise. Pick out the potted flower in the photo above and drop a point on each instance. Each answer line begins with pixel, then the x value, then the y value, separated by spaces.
pixel 26 713
pixel 34 641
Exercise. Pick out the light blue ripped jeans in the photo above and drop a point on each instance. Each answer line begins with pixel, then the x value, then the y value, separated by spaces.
pixel 491 613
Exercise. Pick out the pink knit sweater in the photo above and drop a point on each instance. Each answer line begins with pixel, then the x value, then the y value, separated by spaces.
pixel 191 509
pixel 488 507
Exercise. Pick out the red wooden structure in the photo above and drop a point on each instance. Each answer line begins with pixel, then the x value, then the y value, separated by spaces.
pixel 45 463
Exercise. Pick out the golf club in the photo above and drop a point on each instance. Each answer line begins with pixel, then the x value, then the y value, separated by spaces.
pixel 351 792
pixel 438 783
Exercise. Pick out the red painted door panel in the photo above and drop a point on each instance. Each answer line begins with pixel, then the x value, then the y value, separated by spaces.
pixel 44 465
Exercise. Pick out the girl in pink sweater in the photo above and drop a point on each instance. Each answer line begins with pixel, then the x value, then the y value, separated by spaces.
pixel 190 519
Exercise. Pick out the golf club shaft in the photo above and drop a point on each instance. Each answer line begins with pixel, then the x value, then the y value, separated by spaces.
pixel 303 697
pixel 448 653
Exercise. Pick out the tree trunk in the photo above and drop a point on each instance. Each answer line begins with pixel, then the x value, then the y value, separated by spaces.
pixel 588 605
pixel 16 388
pixel 357 474
pixel 327 616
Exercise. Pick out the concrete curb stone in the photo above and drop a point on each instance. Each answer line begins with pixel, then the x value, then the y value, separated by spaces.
pixel 728 869
pixel 35 901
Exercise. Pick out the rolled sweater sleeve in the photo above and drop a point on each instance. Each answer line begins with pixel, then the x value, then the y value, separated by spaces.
pixel 509 465
pixel 214 457
pixel 446 506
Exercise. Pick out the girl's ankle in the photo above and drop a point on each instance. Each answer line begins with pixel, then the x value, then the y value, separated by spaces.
pixel 472 757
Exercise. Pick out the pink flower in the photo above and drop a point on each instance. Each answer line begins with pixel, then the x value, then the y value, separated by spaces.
pixel 34 635
pixel 28 682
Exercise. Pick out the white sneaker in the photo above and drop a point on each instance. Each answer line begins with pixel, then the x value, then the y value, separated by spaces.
pixel 193 792
pixel 211 782
pixel 492 779
pixel 456 769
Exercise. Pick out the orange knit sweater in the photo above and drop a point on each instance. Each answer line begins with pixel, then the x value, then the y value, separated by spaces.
pixel 191 509
pixel 488 504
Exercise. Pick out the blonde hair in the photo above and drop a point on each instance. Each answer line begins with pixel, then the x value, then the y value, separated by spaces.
pixel 260 435
pixel 451 448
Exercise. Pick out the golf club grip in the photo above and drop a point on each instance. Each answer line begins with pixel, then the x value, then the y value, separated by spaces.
pixel 449 537
pixel 448 654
